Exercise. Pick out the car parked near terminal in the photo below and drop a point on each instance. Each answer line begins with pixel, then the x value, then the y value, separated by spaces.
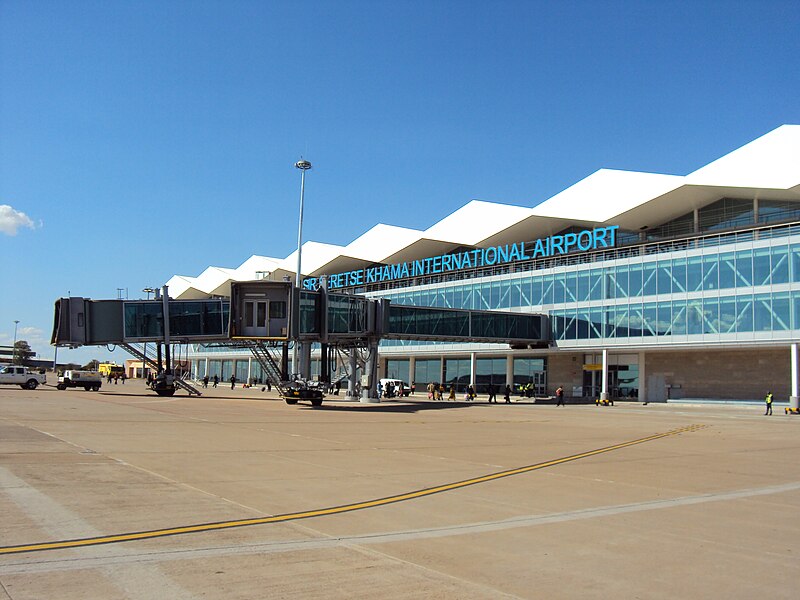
pixel 392 387
pixel 22 376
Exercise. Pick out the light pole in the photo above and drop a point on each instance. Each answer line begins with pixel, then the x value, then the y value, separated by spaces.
pixel 304 166
pixel 148 291
pixel 14 347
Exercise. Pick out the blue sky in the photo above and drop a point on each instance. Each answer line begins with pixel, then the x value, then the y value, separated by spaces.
pixel 144 139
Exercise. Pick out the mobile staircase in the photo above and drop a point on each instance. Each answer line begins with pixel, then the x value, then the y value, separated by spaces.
pixel 162 384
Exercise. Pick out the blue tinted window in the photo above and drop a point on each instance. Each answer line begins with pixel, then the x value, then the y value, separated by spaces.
pixel 727 270
pixel 679 275
pixel 780 265
pixel 710 273
pixel 694 274
pixel 649 280
pixel 761 266
pixel 762 312
pixel 781 312
pixel 744 314
pixel 744 268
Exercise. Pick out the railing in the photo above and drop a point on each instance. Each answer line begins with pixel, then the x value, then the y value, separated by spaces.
pixel 705 240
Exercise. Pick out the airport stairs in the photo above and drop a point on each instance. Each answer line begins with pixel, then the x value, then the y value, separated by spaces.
pixel 137 350
pixel 269 359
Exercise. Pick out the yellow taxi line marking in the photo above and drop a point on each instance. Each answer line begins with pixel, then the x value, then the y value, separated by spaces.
pixel 156 533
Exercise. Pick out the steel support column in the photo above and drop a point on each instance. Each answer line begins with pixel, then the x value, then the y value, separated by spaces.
pixel 793 399
pixel 604 386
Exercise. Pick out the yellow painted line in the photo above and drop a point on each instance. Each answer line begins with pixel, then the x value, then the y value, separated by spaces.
pixel 156 533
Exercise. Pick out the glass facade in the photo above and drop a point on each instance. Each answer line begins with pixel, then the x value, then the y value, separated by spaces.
pixel 490 372
pixel 241 371
pixel 222 368
pixel 745 289
pixel 708 277
pixel 397 369
pixel 427 371
pixel 530 372
pixel 457 373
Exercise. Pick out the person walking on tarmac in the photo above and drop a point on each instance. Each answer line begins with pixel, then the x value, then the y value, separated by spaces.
pixel 768 400
pixel 507 394
pixel 560 396
pixel 492 394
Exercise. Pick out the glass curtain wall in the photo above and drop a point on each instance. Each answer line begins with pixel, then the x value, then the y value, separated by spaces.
pixel 530 376
pixel 256 373
pixel 457 372
pixel 426 371
pixel 214 368
pixel 490 372
pixel 241 371
pixel 634 289
pixel 226 368
pixel 397 369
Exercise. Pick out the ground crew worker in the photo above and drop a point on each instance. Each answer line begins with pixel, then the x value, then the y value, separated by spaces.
pixel 768 400
pixel 560 396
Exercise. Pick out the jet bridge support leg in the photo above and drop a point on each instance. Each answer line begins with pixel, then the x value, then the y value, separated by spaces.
pixel 305 360
pixel 352 384
pixel 285 362
pixel 369 392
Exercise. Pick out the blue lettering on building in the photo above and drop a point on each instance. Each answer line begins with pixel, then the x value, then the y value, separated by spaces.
pixel 582 241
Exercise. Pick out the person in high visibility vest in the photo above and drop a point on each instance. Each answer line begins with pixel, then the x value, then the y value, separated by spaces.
pixel 768 400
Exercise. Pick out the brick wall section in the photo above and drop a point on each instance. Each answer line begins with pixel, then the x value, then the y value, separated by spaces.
pixel 734 374
pixel 564 369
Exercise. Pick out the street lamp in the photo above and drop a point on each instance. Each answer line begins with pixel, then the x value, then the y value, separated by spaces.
pixel 148 291
pixel 304 166
pixel 14 347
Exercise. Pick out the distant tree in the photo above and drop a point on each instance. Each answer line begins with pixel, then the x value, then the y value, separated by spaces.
pixel 22 353
pixel 92 365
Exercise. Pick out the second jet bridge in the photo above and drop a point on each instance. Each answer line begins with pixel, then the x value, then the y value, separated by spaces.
pixel 267 310
pixel 262 314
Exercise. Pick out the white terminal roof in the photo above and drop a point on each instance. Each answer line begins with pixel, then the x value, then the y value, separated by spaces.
pixel 766 168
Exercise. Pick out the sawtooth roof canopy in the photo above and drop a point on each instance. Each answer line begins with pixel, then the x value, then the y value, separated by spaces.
pixel 767 168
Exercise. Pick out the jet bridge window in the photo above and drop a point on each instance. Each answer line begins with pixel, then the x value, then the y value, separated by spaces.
pixel 200 318
pixel 196 318
pixel 277 309
pixel 144 320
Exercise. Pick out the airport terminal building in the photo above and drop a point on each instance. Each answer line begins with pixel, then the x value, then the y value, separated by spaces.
pixel 655 286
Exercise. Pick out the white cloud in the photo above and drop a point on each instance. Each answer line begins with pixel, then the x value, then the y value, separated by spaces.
pixel 11 220
pixel 32 332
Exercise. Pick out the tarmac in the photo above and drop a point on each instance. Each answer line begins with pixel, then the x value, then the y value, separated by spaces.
pixel 124 494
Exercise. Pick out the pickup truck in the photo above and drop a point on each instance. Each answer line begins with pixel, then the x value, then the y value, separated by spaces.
pixel 22 376
pixel 88 380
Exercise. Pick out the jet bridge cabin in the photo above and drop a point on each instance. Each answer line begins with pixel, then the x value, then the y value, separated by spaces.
pixel 261 310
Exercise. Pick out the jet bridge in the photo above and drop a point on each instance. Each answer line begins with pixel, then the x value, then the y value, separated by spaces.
pixel 266 316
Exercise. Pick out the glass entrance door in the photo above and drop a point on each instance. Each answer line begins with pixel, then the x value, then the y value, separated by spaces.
pixel 592 383
pixel 255 318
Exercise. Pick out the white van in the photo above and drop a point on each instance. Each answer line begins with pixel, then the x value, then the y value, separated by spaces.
pixel 396 383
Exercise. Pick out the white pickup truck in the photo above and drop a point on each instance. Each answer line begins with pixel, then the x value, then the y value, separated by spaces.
pixel 22 376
